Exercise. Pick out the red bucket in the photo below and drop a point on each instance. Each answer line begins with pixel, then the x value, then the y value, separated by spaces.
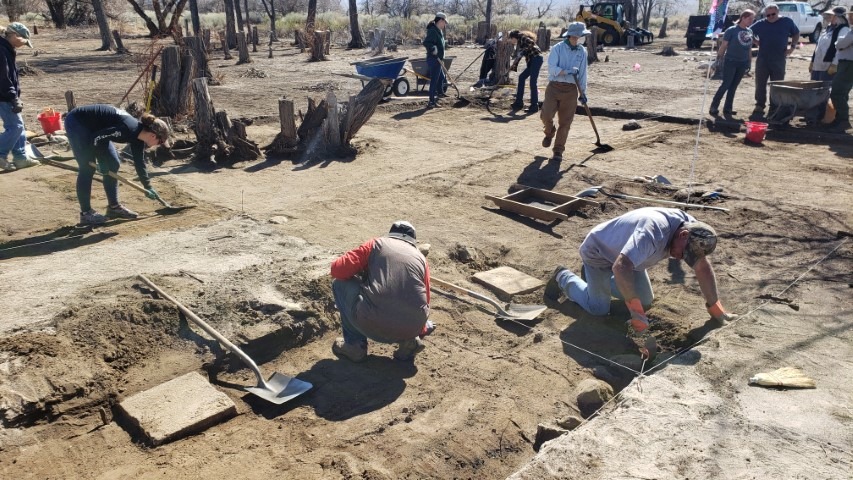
pixel 50 120
pixel 755 131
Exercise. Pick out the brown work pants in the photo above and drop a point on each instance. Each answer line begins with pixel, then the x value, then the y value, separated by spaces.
pixel 560 99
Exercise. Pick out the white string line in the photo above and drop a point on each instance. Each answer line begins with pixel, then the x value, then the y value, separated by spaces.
pixel 749 313
pixel 699 129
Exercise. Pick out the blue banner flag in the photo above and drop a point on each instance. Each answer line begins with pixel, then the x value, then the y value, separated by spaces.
pixel 719 10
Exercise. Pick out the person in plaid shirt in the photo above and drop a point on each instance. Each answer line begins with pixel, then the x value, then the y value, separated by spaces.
pixel 525 46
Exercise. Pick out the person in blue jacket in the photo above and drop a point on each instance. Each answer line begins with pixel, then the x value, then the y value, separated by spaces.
pixel 435 44
pixel 91 131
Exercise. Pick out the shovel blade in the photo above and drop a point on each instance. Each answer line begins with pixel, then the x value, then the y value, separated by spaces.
pixel 281 388
pixel 521 312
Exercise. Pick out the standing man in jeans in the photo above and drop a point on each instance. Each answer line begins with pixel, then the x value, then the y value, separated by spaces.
pixel 842 82
pixel 435 44
pixel 13 139
pixel 772 32
pixel 734 54
pixel 566 66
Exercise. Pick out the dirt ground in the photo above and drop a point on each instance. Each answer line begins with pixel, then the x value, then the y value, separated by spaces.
pixel 80 333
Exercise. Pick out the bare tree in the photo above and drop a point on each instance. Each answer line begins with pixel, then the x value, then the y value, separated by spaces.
pixel 107 41
pixel 543 7
pixel 196 20
pixel 269 7
pixel 167 16
pixel 14 9
pixel 357 40
pixel 311 21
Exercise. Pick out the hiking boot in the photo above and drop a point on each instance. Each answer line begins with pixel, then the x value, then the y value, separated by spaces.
pixel 92 218
pixel 557 157
pixel 546 142
pixel 5 166
pixel 840 127
pixel 352 352
pixel 21 163
pixel 714 112
pixel 407 350
pixel 120 211
pixel 552 288
pixel 516 106
pixel 480 83
pixel 533 109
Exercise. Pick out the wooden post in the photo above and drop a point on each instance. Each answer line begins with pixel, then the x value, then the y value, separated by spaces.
pixel 543 37
pixel 119 44
pixel 170 81
pixel 380 43
pixel 503 61
pixel 205 33
pixel 223 36
pixel 70 101
pixel 243 49
pixel 35 29
pixel 299 40
pixel 592 46
pixel 327 43
pixel 255 39
pixel 332 124
pixel 318 46
pixel 286 140
pixel 269 45
pixel 198 49
pixel 205 130
pixel 187 75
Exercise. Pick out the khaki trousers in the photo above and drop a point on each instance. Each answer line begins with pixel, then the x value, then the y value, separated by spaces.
pixel 560 99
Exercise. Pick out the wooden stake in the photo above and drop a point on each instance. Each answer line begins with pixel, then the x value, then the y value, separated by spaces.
pixel 70 101
pixel 243 49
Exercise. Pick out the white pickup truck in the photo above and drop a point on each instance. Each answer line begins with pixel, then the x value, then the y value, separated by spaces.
pixel 807 19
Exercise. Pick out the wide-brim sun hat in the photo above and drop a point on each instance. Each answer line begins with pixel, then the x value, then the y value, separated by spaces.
pixel 575 29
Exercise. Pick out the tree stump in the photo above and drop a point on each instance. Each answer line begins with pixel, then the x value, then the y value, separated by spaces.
pixel 592 46
pixel 243 49
pixel 255 39
pixel 360 108
pixel 299 40
pixel 70 102
pixel 223 37
pixel 187 75
pixel 35 29
pixel 332 123
pixel 287 139
pixel 503 61
pixel 218 137
pixel 119 44
pixel 170 81
pixel 318 46
pixel 208 47
pixel 379 39
pixel 196 47
pixel 312 120
pixel 662 33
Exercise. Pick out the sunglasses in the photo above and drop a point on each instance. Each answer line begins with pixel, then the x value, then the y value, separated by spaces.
pixel 772 14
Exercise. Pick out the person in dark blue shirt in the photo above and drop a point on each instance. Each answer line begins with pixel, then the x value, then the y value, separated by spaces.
pixel 91 132
pixel 735 51
pixel 772 33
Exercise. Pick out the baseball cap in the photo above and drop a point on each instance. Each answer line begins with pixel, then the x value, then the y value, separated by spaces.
pixel 404 231
pixel 21 30
pixel 575 29
pixel 442 16
pixel 702 241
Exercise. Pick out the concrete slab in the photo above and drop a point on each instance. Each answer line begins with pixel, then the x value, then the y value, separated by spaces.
pixel 508 281
pixel 180 407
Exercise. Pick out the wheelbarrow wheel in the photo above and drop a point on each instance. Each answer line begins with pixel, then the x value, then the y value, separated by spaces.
pixel 401 87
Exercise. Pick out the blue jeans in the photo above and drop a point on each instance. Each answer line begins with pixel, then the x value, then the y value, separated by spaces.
pixel 532 71
pixel 436 77
pixel 13 139
pixel 732 75
pixel 593 295
pixel 85 152
pixel 766 69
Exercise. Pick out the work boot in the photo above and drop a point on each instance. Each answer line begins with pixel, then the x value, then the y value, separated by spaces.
pixel 92 218
pixel 557 157
pixel 533 109
pixel 552 288
pixel 407 350
pixel 120 211
pixel 21 163
pixel 546 142
pixel 714 112
pixel 516 106
pixel 480 83
pixel 839 127
pixel 5 166
pixel 350 351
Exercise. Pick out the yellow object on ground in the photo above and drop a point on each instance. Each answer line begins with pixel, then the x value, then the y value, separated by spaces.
pixel 784 377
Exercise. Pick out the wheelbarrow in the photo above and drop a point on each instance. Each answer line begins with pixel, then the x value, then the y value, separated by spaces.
pixel 790 98
pixel 420 70
pixel 388 68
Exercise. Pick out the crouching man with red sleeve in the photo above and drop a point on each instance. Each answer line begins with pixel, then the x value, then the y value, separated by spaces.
pixel 381 290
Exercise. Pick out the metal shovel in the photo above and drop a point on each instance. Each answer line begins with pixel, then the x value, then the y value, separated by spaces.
pixel 512 311
pixel 278 389
pixel 602 146
pixel 593 191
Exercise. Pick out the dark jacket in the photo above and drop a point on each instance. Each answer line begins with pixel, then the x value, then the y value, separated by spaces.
pixel 434 38
pixel 10 89
pixel 95 126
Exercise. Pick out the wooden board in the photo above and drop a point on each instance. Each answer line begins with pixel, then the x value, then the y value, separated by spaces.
pixel 537 203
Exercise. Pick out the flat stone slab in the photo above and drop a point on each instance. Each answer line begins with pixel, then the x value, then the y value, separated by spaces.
pixel 508 281
pixel 180 407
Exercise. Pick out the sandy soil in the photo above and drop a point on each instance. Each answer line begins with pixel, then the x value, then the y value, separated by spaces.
pixel 79 334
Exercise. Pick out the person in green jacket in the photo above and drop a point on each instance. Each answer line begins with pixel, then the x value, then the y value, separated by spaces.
pixel 435 43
